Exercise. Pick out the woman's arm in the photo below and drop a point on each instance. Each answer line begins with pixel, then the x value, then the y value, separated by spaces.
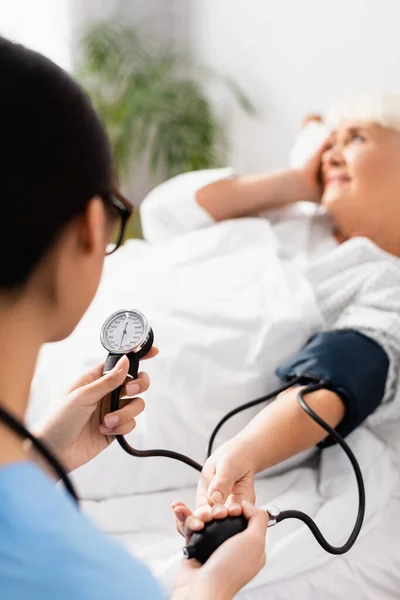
pixel 194 200
pixel 278 432
pixel 353 363
pixel 283 429
pixel 245 196
pixel 171 209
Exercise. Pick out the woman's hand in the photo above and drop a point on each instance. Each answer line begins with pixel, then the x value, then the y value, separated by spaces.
pixel 232 565
pixel 227 478
pixel 84 426
pixel 310 175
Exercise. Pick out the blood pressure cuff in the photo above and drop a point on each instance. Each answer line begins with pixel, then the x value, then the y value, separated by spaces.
pixel 352 365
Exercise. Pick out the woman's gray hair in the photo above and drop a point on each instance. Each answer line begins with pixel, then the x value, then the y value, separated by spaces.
pixel 382 108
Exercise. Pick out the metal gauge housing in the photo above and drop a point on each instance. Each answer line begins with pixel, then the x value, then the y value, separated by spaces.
pixel 125 331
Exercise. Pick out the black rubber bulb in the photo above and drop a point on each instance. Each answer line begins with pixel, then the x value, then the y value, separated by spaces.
pixel 203 543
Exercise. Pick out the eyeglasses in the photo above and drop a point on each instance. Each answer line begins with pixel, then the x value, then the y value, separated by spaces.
pixel 124 210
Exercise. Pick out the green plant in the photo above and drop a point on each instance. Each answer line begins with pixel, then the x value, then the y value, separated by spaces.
pixel 152 101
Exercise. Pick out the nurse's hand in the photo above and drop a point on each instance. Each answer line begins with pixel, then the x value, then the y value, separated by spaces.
pixel 83 427
pixel 231 566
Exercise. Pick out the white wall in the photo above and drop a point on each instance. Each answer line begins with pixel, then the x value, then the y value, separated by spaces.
pixel 155 15
pixel 53 26
pixel 43 25
pixel 293 57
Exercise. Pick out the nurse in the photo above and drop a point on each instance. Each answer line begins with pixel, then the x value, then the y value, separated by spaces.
pixel 59 213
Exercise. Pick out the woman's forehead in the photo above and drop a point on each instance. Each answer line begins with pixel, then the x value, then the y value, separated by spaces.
pixel 352 126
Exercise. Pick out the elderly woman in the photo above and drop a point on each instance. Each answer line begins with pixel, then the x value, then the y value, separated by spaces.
pixel 355 178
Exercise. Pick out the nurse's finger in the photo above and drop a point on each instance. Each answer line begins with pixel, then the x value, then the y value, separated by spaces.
pixel 136 386
pixel 124 415
pixel 119 429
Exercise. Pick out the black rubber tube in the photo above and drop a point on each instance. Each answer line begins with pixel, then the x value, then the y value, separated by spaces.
pixel 148 453
pixel 23 433
pixel 287 514
pixel 296 514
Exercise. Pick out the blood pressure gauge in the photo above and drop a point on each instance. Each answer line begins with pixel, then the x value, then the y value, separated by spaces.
pixel 126 332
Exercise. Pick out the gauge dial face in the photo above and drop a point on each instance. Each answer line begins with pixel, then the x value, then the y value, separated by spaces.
pixel 125 331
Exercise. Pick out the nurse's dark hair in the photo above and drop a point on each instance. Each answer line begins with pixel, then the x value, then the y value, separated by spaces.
pixel 54 157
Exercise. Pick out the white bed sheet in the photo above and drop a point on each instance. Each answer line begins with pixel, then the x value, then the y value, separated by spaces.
pixel 371 571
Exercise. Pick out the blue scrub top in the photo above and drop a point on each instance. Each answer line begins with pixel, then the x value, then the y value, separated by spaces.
pixel 49 550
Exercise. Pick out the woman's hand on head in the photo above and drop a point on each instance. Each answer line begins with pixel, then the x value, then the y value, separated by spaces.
pixel 84 426
pixel 311 176
pixel 233 564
